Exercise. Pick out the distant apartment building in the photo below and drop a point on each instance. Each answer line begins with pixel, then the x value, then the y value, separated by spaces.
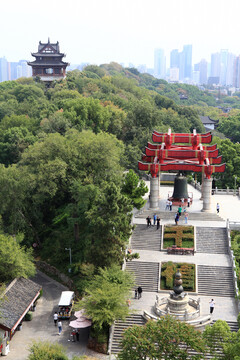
pixel 174 74
pixel 187 51
pixel 13 70
pixel 159 64
pixel 229 70
pixel 215 65
pixel 3 69
pixel 236 72
pixel 174 59
pixel 202 68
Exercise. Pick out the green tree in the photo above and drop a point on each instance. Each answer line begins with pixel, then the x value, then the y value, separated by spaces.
pixel 134 189
pixel 217 336
pixel 106 296
pixel 167 338
pixel 15 261
pixel 110 227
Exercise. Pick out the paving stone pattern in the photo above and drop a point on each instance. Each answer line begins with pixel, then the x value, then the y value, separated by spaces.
pixel 211 240
pixel 215 281
pixel 146 274
pixel 146 238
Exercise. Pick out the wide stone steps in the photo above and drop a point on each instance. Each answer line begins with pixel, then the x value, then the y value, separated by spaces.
pixel 120 326
pixel 146 238
pixel 215 281
pixel 169 215
pixel 136 319
pixel 211 240
pixel 146 274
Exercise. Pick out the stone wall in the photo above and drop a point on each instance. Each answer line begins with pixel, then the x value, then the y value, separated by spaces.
pixel 52 271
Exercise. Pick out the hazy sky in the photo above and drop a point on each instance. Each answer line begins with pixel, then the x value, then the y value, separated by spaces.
pixel 100 31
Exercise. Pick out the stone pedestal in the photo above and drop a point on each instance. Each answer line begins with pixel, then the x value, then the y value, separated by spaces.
pixel 154 193
pixel 207 194
pixel 178 306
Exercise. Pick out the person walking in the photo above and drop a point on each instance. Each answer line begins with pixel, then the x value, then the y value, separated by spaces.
pixel 148 219
pixel 158 222
pixel 218 208
pixel 170 205
pixel 59 327
pixel 154 219
pixel 186 217
pixel 167 205
pixel 188 201
pixel 139 292
pixel 212 304
pixel 176 218
pixel 55 318
pixel 180 210
pixel 136 293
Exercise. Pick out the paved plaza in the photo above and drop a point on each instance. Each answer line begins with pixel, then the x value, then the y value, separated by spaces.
pixel 226 308
pixel 214 278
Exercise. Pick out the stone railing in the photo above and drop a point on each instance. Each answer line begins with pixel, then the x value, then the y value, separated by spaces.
pixel 232 260
pixel 226 191
pixel 234 225
pixel 110 339
pixel 217 191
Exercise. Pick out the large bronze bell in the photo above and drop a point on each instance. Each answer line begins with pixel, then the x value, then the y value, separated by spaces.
pixel 180 188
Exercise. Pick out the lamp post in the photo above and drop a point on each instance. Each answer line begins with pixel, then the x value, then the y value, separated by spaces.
pixel 235 178
pixel 70 258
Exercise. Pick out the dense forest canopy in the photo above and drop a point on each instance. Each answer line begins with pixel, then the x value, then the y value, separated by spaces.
pixel 64 150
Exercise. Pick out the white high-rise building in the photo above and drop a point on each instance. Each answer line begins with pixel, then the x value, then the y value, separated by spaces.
pixel 159 64
pixel 174 74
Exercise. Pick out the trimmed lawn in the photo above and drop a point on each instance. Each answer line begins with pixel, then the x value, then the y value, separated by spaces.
pixel 181 236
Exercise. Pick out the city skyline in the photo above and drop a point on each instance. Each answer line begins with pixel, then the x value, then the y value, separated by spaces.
pixel 126 32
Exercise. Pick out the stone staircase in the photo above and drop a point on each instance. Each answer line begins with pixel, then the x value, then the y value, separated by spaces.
pixel 136 319
pixel 169 215
pixel 120 326
pixel 215 281
pixel 146 238
pixel 211 240
pixel 146 274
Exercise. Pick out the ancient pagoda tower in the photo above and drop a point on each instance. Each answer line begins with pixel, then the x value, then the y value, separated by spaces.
pixel 48 64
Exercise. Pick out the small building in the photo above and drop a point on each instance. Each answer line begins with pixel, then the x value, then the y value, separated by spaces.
pixel 48 64
pixel 209 123
pixel 18 298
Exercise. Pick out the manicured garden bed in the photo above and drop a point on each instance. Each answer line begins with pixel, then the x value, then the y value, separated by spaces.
pixel 181 236
pixel 168 270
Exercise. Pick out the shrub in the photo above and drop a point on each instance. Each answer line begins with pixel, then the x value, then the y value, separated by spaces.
pixel 168 271
pixel 28 316
pixel 179 234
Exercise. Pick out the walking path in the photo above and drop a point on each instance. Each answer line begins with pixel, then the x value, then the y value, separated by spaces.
pixel 42 328
pixel 214 274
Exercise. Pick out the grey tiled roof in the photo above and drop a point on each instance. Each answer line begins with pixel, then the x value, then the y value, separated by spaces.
pixel 19 295
pixel 207 120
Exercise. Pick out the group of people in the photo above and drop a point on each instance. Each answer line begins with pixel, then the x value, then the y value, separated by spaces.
pixel 168 205
pixel 179 214
pixel 57 322
pixel 156 220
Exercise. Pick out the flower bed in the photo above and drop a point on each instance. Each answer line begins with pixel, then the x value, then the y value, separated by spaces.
pixel 168 270
pixel 181 236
